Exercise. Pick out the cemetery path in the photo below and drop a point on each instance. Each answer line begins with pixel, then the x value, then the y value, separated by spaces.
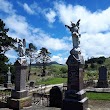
pixel 99 105
pixel 93 105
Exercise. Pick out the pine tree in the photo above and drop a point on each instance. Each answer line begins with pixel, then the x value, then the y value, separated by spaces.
pixel 44 57
pixel 6 43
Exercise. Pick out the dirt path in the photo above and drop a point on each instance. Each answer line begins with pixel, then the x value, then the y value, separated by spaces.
pixel 99 105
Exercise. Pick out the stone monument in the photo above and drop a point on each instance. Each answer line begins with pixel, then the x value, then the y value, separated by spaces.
pixel 19 96
pixel 102 81
pixel 8 83
pixel 75 97
pixel 55 97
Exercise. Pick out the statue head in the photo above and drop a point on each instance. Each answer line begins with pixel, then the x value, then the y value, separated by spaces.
pixel 72 24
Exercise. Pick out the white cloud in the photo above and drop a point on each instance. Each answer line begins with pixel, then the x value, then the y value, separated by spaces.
pixel 58 59
pixel 28 9
pixel 95 45
pixel 65 13
pixel 45 40
pixel 94 27
pixel 50 16
pixel 6 7
pixel 90 22
pixel 17 24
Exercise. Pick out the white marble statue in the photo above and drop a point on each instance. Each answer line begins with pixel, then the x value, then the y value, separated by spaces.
pixel 75 33
pixel 21 47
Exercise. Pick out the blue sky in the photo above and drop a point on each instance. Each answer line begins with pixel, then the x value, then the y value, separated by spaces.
pixel 41 22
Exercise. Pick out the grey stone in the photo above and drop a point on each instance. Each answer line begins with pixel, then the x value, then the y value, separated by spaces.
pixel 8 83
pixel 102 81
pixel 75 96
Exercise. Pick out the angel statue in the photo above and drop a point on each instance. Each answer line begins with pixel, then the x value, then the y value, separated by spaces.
pixel 21 47
pixel 75 33
pixel 74 28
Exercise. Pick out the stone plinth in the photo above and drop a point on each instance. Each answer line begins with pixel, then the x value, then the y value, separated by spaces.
pixel 8 85
pixel 18 104
pixel 102 81
pixel 19 97
pixel 75 96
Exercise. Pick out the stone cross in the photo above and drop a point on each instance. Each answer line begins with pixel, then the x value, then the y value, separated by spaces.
pixel 8 83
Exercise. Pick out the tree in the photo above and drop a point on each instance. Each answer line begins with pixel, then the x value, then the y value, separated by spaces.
pixel 30 51
pixel 44 57
pixel 6 43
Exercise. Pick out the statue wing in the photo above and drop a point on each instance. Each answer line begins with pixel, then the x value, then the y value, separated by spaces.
pixel 77 24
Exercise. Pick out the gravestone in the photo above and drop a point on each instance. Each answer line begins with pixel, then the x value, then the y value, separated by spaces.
pixel 32 84
pixel 8 83
pixel 75 96
pixel 55 97
pixel 19 96
pixel 102 81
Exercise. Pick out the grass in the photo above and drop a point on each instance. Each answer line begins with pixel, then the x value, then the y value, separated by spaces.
pixel 98 96
pixel 53 81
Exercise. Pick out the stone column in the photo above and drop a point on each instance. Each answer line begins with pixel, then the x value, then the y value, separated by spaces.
pixel 19 96
pixel 8 83
pixel 75 96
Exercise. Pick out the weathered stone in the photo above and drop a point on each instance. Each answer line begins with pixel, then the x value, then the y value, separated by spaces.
pixel 8 83
pixel 55 97
pixel 75 97
pixel 19 97
pixel 102 81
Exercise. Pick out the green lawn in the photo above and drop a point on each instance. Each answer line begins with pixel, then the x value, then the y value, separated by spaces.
pixel 53 81
pixel 98 96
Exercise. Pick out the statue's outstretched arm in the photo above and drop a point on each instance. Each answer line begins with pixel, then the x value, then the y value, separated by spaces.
pixel 67 26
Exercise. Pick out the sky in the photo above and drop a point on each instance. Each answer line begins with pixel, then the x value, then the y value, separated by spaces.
pixel 42 22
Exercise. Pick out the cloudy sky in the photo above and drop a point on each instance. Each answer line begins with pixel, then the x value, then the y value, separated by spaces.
pixel 41 22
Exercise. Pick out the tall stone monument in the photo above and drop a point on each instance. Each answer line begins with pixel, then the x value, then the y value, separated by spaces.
pixel 75 97
pixel 8 83
pixel 19 96
pixel 102 81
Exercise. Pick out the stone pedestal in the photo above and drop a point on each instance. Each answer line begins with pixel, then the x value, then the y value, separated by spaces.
pixel 8 85
pixel 102 81
pixel 19 97
pixel 75 96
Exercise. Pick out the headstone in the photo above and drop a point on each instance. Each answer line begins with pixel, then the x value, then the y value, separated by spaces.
pixel 8 83
pixel 55 97
pixel 19 96
pixel 32 84
pixel 102 81
pixel 75 96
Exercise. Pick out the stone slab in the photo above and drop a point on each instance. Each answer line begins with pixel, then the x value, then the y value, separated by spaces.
pixel 102 84
pixel 19 94
pixel 71 104
pixel 18 104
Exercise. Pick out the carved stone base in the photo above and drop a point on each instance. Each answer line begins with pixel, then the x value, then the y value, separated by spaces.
pixel 19 94
pixel 8 85
pixel 75 101
pixel 102 84
pixel 18 104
